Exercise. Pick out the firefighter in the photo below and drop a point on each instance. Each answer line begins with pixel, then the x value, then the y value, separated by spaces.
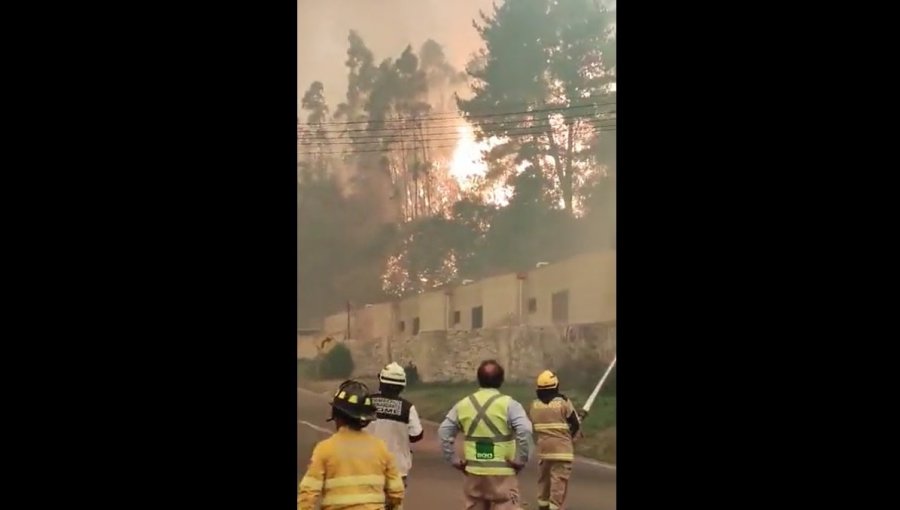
pixel 497 433
pixel 398 422
pixel 556 424
pixel 351 468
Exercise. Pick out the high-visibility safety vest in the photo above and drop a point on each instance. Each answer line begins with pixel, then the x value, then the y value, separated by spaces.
pixel 351 469
pixel 489 440
pixel 551 426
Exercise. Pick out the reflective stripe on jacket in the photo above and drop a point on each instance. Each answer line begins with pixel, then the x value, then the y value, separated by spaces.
pixel 351 468
pixel 552 428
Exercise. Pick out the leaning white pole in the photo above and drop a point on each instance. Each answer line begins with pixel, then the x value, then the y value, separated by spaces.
pixel 590 400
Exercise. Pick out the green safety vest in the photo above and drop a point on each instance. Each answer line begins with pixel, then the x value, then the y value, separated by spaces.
pixel 489 439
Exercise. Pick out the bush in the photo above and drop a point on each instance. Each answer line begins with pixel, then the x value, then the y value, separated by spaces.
pixel 337 363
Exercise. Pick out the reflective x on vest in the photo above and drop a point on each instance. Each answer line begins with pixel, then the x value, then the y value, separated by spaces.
pixel 487 454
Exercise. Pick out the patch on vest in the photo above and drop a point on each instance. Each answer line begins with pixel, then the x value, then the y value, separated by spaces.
pixel 388 406
pixel 484 450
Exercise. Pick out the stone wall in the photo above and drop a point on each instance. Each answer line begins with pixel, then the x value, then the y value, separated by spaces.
pixel 452 355
pixel 368 356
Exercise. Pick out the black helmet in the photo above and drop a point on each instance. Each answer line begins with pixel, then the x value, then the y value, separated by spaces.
pixel 352 400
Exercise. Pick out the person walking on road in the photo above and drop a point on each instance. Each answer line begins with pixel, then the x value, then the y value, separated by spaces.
pixel 351 469
pixel 398 422
pixel 497 442
pixel 555 425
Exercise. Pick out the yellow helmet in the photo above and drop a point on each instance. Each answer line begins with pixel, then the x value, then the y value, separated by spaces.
pixel 547 380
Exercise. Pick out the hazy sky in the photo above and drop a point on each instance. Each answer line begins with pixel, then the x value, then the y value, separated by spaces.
pixel 386 26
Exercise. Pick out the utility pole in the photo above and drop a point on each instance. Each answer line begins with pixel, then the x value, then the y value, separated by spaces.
pixel 347 336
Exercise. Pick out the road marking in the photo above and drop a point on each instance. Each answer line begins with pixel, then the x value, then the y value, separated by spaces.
pixel 581 460
pixel 314 427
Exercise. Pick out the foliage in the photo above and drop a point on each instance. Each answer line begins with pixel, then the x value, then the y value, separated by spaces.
pixel 554 63
pixel 307 369
pixel 380 215
pixel 337 363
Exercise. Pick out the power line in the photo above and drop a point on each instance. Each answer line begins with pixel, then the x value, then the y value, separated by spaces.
pixel 397 149
pixel 452 136
pixel 458 115
pixel 373 133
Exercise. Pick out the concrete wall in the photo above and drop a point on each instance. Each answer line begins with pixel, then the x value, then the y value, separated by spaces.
pixel 590 280
pixel 408 310
pixel 368 322
pixel 501 305
pixel 432 311
pixel 524 342
pixel 335 325
pixel 462 299
pixel 306 346
pixel 371 321
pixel 382 319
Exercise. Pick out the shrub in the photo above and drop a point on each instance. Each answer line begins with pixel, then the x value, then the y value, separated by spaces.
pixel 337 363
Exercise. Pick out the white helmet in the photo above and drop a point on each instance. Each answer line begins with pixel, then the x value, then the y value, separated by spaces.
pixel 393 374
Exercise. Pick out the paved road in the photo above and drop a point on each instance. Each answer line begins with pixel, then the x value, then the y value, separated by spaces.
pixel 433 485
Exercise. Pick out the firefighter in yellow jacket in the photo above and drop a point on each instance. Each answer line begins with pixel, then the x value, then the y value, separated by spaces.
pixel 556 423
pixel 351 469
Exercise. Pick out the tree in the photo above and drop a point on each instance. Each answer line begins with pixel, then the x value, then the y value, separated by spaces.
pixel 426 257
pixel 313 136
pixel 362 74
pixel 314 102
pixel 336 363
pixel 320 220
pixel 442 78
pixel 552 64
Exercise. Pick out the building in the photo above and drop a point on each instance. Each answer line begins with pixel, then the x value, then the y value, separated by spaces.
pixel 578 290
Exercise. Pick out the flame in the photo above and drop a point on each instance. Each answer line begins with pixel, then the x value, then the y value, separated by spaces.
pixel 468 160
pixel 467 165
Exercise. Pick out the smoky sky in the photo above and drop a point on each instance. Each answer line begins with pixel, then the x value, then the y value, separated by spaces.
pixel 387 27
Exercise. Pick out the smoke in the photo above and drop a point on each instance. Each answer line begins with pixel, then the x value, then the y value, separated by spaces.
pixel 387 27
pixel 349 227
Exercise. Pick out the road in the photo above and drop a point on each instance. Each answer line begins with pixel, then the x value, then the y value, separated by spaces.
pixel 434 485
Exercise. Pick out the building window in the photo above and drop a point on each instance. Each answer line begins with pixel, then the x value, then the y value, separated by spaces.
pixel 402 326
pixel 477 316
pixel 415 330
pixel 532 305
pixel 560 307
pixel 456 317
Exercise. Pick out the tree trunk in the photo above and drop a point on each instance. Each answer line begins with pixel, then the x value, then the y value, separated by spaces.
pixel 567 190
pixel 560 171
